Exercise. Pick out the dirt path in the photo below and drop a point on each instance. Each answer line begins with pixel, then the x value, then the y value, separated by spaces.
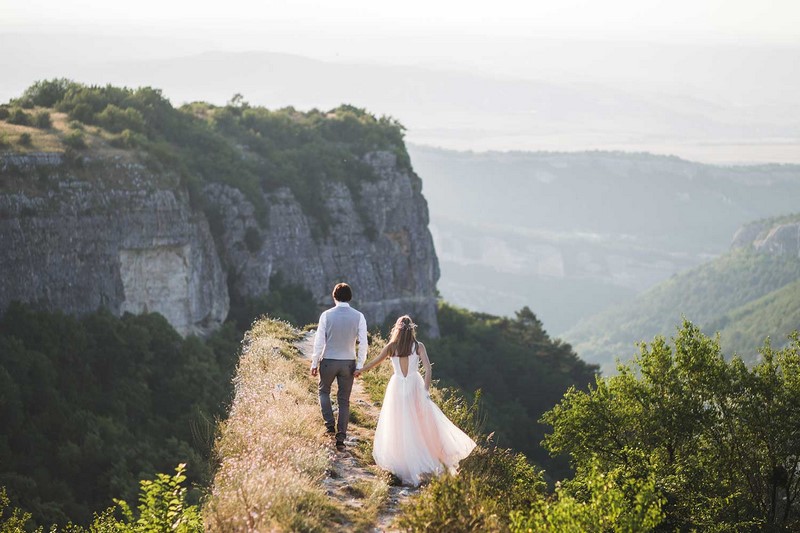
pixel 352 470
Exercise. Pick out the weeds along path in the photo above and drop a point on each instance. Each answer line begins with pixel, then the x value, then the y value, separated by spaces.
pixel 353 479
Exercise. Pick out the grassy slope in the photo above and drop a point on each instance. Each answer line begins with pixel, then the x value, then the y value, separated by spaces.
pixel 273 456
pixel 703 295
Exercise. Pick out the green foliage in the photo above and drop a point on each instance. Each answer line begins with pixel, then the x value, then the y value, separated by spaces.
pixel 491 483
pixel 88 406
pixel 772 315
pixel 75 140
pixel 162 507
pixel 116 120
pixel 704 295
pixel 127 139
pixel 4 112
pixel 12 520
pixel 19 117
pixel 46 93
pixel 718 438
pixel 42 120
pixel 25 139
pixel 250 148
pixel 286 301
pixel 604 502
pixel 520 370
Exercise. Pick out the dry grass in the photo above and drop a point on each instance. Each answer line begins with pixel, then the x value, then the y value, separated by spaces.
pixel 272 456
pixel 52 139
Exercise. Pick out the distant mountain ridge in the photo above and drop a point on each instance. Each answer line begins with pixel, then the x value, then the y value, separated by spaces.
pixel 571 233
pixel 747 294
pixel 460 109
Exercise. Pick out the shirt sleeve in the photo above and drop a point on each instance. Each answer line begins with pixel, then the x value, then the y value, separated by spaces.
pixel 362 343
pixel 319 340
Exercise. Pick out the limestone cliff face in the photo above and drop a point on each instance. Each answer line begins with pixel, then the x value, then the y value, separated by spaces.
pixel 112 233
pixel 107 233
pixel 776 237
pixel 378 242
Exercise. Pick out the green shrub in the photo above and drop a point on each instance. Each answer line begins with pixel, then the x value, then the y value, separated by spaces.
pixel 42 120
pixel 162 506
pixel 116 119
pixel 126 139
pixel 287 301
pixel 252 238
pixel 19 117
pixel 604 503
pixel 719 438
pixel 82 113
pixel 47 93
pixel 74 140
pixel 4 112
pixel 25 139
pixel 491 483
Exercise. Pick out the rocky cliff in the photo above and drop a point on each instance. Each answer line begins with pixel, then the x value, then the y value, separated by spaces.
pixel 108 231
pixel 378 241
pixel 779 236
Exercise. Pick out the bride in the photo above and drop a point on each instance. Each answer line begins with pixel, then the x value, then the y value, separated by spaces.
pixel 413 436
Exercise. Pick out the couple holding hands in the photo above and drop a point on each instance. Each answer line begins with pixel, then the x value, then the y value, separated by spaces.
pixel 413 437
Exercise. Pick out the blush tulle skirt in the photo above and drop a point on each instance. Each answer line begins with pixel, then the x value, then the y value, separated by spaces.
pixel 414 438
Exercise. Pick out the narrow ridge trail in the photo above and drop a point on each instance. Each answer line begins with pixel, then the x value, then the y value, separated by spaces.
pixel 347 469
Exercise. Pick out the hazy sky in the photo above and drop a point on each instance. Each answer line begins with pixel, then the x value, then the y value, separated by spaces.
pixel 768 21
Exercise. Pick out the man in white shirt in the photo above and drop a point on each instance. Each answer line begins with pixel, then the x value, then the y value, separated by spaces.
pixel 335 358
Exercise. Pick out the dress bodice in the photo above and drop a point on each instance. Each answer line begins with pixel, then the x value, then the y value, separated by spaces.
pixel 413 364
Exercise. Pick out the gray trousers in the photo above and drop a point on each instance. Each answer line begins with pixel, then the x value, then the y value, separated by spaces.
pixel 341 370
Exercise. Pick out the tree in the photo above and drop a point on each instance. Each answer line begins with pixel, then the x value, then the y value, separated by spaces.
pixel 721 440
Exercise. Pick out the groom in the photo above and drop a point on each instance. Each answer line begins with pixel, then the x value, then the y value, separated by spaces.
pixel 335 357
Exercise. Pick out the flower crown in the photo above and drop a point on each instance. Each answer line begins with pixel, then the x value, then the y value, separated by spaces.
pixel 404 325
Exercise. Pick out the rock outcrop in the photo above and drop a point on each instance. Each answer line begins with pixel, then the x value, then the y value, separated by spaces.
pixel 776 237
pixel 378 241
pixel 112 233
pixel 108 234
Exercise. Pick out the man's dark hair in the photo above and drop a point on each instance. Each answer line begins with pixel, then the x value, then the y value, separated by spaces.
pixel 342 292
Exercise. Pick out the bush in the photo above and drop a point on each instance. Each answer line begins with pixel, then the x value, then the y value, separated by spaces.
pixel 47 93
pixel 19 117
pixel 42 120
pixel 606 504
pixel 4 112
pixel 82 113
pixel 719 438
pixel 74 140
pixel 126 139
pixel 492 482
pixel 25 139
pixel 116 119
pixel 162 507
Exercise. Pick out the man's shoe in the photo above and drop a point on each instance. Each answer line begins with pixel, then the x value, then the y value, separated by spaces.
pixel 340 447
pixel 330 430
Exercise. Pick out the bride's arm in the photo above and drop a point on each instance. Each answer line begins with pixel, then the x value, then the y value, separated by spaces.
pixel 426 363
pixel 383 355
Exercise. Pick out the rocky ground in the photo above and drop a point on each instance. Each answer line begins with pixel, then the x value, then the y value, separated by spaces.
pixel 353 470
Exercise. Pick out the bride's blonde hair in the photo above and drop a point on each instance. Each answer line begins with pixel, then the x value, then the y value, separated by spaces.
pixel 403 336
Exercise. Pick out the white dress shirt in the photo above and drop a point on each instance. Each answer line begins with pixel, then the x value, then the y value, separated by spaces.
pixel 319 339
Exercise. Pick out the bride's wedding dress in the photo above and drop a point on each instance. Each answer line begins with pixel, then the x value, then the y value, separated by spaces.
pixel 413 436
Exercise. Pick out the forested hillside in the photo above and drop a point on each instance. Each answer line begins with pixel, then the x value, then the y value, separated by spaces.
pixel 746 294
pixel 521 372
pixel 89 406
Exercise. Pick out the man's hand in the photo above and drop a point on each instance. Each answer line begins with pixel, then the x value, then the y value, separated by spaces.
pixel 314 371
pixel 357 373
